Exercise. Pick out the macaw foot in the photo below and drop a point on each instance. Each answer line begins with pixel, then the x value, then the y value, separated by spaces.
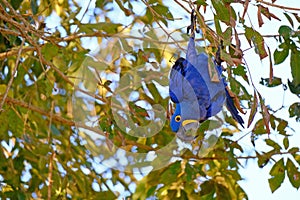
pixel 192 26
pixel 188 132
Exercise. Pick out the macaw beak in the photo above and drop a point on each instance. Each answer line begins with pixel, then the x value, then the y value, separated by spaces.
pixel 188 130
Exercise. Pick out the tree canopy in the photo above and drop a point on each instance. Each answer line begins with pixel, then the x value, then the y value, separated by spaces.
pixel 84 105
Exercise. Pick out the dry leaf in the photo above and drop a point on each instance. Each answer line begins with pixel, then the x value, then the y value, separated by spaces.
pixel 253 110
pixel 271 67
pixel 246 3
pixel 265 114
pixel 236 100
pixel 259 17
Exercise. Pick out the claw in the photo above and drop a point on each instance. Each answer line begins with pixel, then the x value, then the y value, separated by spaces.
pixel 193 24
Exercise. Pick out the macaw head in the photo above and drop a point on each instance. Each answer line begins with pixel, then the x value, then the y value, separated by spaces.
pixel 176 119
pixel 185 128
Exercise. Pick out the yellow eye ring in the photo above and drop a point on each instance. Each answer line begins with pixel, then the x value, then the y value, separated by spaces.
pixel 178 118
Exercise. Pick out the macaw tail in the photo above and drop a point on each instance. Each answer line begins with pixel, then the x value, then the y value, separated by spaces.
pixel 232 109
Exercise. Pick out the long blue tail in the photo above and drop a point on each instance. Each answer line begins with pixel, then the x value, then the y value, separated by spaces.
pixel 230 103
pixel 232 109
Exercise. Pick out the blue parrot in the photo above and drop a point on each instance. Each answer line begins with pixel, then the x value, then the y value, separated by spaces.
pixel 196 97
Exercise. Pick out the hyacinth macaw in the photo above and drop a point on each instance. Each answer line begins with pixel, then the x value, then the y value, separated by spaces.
pixel 196 97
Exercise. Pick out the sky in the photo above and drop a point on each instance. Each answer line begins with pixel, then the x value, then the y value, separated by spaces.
pixel 255 181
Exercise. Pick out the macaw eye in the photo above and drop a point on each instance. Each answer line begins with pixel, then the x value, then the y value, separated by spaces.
pixel 178 118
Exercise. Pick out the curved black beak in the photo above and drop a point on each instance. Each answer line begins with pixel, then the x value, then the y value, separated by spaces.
pixel 188 131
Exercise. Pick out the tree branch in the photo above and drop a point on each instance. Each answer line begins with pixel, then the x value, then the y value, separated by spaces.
pixel 278 6
pixel 54 117
pixel 12 75
pixel 227 158
pixel 14 51
pixel 52 157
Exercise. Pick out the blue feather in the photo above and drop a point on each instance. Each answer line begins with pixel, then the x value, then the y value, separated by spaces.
pixel 232 109
pixel 196 97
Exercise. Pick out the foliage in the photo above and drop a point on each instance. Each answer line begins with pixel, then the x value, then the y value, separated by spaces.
pixel 88 125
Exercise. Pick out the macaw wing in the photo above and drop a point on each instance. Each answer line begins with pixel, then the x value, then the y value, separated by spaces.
pixel 176 85
pixel 198 87
pixel 187 85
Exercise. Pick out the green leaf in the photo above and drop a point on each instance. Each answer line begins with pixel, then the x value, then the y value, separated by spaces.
pixel 137 109
pixel 273 144
pixel 201 2
pixel 297 157
pixel 49 51
pixel 217 25
pixel 285 32
pixel 102 3
pixel 189 171
pixel 34 6
pixel 297 17
pixel 281 126
pixel 294 111
pixel 286 142
pixel 262 159
pixel 293 174
pixel 154 91
pixel 93 63
pixel 295 63
pixel 151 191
pixel 236 146
pixel 164 12
pixel 257 40
pixel 259 127
pixel 294 88
pixel 293 150
pixel 209 125
pixel 227 36
pixel 265 113
pixel 60 62
pixel 45 88
pixel 239 70
pixel 54 130
pixel 278 173
pixel 289 18
pixel 15 124
pixel 280 56
pixel 222 191
pixel 148 17
pixel 170 174
pixel 253 109
pixel 275 82
pixel 207 189
pixel 106 27
pixel 16 3
pixel 2 89
pixel 37 68
pixel 222 12
pixel 226 57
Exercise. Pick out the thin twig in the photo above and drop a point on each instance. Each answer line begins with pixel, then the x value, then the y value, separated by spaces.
pixel 8 31
pixel 13 52
pixel 100 34
pixel 26 25
pixel 238 157
pixel 181 5
pixel 50 122
pixel 55 117
pixel 12 75
pixel 155 14
pixel 278 6
pixel 50 181
pixel 86 10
